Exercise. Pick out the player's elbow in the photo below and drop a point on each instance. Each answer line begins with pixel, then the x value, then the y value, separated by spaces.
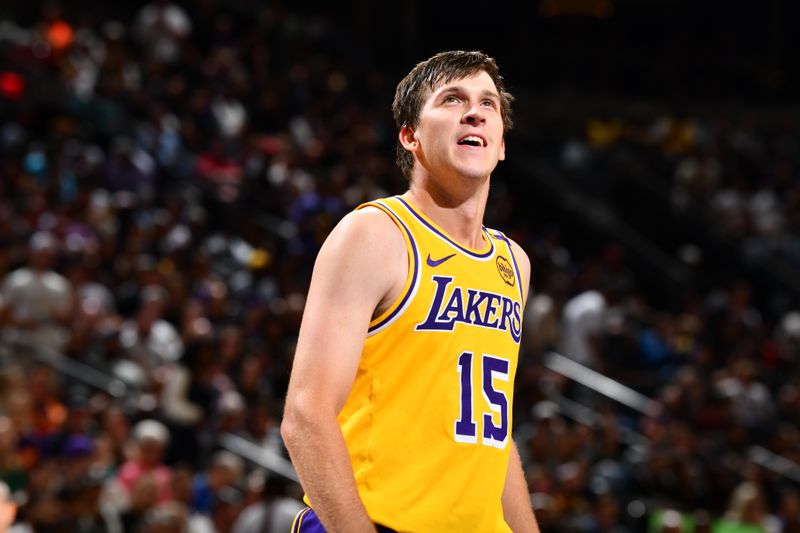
pixel 306 418
pixel 289 426
pixel 296 422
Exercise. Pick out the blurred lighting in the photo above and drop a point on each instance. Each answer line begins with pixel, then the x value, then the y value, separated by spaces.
pixel 12 85
pixel 60 35
pixel 636 509
pixel 671 519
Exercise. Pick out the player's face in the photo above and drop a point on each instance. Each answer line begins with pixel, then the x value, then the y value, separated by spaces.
pixel 460 128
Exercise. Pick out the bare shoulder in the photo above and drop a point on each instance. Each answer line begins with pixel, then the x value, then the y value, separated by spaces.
pixel 365 252
pixel 366 232
pixel 371 219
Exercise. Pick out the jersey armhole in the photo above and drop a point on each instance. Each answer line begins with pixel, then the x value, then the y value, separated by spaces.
pixel 501 236
pixel 402 301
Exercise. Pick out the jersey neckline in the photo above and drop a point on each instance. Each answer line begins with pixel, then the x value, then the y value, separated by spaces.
pixel 484 253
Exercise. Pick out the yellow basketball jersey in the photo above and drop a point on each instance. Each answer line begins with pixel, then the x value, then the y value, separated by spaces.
pixel 428 420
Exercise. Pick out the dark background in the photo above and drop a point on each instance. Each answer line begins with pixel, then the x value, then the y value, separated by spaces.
pixel 671 49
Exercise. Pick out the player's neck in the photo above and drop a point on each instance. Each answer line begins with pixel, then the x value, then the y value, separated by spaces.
pixel 459 212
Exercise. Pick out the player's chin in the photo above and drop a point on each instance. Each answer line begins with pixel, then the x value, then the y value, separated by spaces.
pixel 476 171
pixel 477 175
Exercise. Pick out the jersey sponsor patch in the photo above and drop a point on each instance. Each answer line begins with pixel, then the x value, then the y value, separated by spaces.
pixel 506 270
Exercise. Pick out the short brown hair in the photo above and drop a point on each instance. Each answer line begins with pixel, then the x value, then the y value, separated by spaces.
pixel 444 67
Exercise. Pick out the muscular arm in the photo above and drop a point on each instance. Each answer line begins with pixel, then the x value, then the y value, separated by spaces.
pixel 517 509
pixel 359 267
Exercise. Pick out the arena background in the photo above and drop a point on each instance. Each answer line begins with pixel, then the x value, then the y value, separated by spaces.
pixel 163 196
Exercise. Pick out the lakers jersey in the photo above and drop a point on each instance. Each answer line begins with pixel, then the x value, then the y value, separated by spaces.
pixel 428 420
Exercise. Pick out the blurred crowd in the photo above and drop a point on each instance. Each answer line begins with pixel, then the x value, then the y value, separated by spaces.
pixel 718 355
pixel 736 165
pixel 166 182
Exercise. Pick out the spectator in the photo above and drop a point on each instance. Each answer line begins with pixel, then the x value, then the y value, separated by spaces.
pixel 36 299
pixel 183 491
pixel 753 407
pixel 273 512
pixel 143 477
pixel 12 472
pixel 150 342
pixel 224 471
pixel 583 323
pixel 162 27
pixel 166 518
pixel 8 509
pixel 748 507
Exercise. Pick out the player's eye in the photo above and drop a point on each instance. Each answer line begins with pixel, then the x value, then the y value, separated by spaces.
pixel 489 103
pixel 451 99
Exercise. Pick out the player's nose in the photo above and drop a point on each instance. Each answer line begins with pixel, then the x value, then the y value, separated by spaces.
pixel 474 115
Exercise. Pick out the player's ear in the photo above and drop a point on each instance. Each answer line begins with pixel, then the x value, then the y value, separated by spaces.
pixel 502 149
pixel 408 138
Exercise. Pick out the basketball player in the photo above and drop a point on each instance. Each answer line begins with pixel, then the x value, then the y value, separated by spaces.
pixel 398 413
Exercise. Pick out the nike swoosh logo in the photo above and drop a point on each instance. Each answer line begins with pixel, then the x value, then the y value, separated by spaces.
pixel 437 262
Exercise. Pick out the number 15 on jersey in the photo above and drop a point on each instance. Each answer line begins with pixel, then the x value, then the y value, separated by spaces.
pixel 466 427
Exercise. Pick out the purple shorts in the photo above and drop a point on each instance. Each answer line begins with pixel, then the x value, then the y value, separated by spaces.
pixel 307 521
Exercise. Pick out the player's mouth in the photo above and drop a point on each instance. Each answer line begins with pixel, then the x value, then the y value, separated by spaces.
pixel 473 140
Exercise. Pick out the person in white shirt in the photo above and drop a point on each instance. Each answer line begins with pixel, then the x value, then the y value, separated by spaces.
pixel 36 302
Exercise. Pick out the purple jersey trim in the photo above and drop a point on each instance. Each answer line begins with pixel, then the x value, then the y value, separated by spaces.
pixel 502 237
pixel 450 241
pixel 412 289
